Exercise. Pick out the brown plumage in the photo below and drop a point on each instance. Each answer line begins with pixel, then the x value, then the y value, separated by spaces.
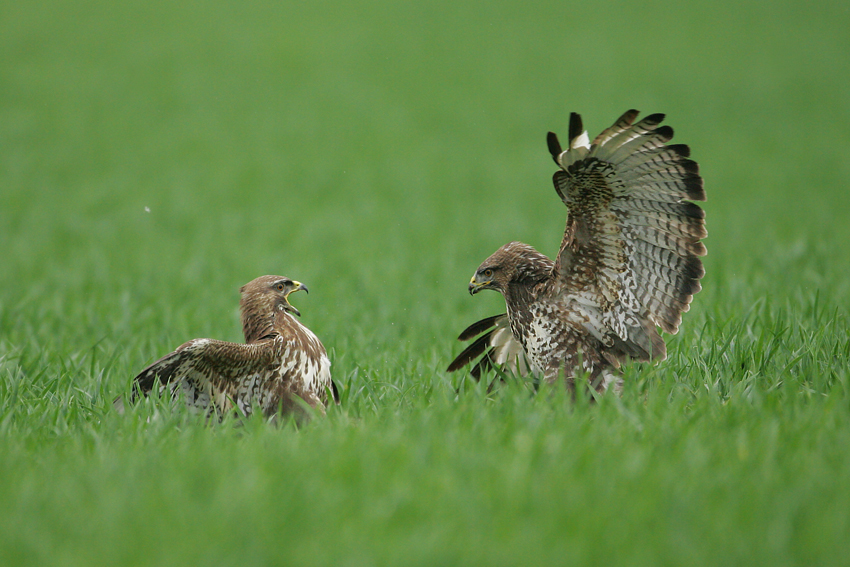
pixel 280 360
pixel 629 261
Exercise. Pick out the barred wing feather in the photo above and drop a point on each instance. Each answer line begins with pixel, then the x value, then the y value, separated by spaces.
pixel 630 256
pixel 216 375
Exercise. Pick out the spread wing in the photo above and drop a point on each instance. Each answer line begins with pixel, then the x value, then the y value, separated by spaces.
pixel 213 374
pixel 498 345
pixel 218 375
pixel 629 259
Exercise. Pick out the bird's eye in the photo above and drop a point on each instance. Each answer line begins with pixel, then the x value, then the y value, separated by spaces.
pixel 488 273
pixel 280 287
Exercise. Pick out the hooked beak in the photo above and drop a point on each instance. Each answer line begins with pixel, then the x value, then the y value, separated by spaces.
pixel 296 286
pixel 475 285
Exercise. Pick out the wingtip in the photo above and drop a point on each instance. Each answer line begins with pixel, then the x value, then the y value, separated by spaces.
pixel 479 327
pixel 576 126
pixel 656 118
pixel 665 133
pixel 554 145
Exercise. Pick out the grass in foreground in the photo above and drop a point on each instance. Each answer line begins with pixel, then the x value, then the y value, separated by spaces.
pixel 731 451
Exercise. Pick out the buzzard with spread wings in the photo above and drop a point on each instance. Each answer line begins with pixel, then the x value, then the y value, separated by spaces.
pixel 280 360
pixel 629 261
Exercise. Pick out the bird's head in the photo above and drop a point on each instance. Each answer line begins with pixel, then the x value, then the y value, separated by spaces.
pixel 261 299
pixel 489 275
pixel 514 262
pixel 280 288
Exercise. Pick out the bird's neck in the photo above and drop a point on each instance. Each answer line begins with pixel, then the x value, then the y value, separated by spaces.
pixel 258 322
pixel 518 296
pixel 518 299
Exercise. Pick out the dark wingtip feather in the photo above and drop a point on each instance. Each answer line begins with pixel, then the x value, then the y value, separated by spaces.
pixel 654 119
pixel 576 127
pixel 665 132
pixel 691 210
pixel 554 145
pixel 628 117
pixel 471 352
pixel 479 327
pixel 695 188
pixel 693 268
pixel 683 150
pixel 484 365
pixel 687 288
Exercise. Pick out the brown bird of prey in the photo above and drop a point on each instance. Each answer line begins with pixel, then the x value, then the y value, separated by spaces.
pixel 629 261
pixel 280 360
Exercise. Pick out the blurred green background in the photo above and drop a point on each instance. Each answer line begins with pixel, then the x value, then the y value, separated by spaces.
pixel 380 151
pixel 155 156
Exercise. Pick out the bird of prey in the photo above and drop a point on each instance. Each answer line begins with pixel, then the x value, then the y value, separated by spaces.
pixel 628 263
pixel 280 360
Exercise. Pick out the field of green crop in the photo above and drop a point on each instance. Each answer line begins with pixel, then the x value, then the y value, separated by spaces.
pixel 155 156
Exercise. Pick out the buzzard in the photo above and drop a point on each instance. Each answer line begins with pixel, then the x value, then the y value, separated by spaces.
pixel 280 360
pixel 629 261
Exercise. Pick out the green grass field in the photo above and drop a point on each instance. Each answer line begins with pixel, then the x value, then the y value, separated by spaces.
pixel 154 157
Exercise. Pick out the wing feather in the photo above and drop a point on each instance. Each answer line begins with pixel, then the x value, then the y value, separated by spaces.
pixel 633 238
pixel 479 327
pixel 473 351
pixel 622 124
pixel 211 372
pixel 496 345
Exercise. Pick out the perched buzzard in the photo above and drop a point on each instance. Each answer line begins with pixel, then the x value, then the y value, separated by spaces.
pixel 281 359
pixel 628 262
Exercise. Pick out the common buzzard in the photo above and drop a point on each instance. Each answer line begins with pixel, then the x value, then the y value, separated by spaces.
pixel 629 261
pixel 280 360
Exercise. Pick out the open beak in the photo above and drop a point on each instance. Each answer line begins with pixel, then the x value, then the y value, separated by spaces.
pixel 475 285
pixel 296 286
